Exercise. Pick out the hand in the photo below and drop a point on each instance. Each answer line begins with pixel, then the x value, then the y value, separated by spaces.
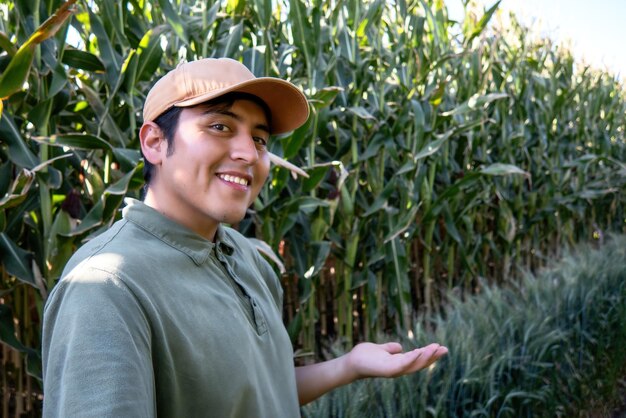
pixel 388 360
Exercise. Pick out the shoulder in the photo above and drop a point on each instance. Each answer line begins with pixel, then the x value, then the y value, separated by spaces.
pixel 103 249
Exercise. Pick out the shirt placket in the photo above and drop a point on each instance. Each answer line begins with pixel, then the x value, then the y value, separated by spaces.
pixel 248 302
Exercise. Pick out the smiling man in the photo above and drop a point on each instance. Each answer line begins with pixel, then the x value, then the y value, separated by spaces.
pixel 171 313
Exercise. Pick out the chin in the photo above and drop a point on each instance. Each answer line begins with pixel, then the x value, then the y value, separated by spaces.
pixel 233 217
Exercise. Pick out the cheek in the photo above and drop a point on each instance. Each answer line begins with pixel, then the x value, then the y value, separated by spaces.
pixel 264 169
pixel 261 173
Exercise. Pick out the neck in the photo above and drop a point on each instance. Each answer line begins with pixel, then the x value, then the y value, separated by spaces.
pixel 171 209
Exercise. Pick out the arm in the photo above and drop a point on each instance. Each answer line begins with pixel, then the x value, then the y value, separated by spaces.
pixel 365 360
pixel 96 351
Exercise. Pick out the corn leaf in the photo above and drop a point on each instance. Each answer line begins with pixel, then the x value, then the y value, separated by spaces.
pixel 16 74
pixel 15 260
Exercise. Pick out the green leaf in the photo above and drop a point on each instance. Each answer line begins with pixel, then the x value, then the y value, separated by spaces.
pixel 295 326
pixel 436 96
pixel 360 112
pixel 18 150
pixel 76 141
pixel 318 252
pixel 481 25
pixel 475 102
pixel 40 113
pixel 316 175
pixel 372 16
pixel 406 167
pixel 127 157
pixel 61 247
pixel 16 261
pixel 109 126
pixel 82 60
pixel 450 224
pixel 150 53
pixel 432 147
pixel 381 199
pixel 267 251
pixel 59 81
pixel 111 59
pixel 7 328
pixel 109 12
pixel 419 118
pixel 499 169
pixel 263 12
pixel 301 29
pixel 325 97
pixel 308 204
pixel 107 205
pixel 293 143
pixel 18 190
pixel 594 194
pixel 16 73
pixel 404 223
pixel 377 142
pixel 120 187
pixel 7 45
pixel 461 186
pixel 232 41
pixel 175 21
pixel 93 219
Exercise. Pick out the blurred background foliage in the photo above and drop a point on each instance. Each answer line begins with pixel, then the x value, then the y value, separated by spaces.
pixel 442 155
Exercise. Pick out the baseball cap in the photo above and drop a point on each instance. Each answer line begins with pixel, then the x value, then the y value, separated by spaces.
pixel 195 82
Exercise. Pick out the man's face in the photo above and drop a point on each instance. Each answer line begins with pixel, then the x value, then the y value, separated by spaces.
pixel 217 169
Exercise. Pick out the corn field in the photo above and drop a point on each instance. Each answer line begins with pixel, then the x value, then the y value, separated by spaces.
pixel 440 154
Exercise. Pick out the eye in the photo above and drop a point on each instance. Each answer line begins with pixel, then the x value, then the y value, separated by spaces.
pixel 220 127
pixel 260 140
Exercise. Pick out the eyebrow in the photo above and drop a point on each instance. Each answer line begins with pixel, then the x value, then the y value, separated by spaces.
pixel 235 116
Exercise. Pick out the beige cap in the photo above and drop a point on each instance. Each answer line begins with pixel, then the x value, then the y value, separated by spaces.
pixel 195 82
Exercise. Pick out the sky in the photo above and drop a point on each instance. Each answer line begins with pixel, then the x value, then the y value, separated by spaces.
pixel 596 29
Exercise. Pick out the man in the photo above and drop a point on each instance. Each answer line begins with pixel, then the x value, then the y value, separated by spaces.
pixel 172 314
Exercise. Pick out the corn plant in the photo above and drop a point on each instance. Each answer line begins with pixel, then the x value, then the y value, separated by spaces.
pixel 441 155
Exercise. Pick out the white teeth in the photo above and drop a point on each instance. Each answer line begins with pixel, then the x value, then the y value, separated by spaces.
pixel 234 179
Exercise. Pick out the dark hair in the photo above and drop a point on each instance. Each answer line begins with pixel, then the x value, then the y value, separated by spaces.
pixel 168 122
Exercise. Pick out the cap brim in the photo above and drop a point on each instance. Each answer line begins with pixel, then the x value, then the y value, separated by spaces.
pixel 288 106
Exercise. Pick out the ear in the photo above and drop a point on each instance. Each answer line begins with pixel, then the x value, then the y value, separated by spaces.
pixel 153 142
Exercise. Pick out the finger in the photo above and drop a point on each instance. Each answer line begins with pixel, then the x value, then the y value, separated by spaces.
pixel 424 357
pixel 392 347
pixel 410 361
pixel 437 354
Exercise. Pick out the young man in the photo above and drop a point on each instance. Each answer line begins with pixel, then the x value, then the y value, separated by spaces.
pixel 172 314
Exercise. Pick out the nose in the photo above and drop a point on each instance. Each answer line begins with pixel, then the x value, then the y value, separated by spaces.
pixel 243 148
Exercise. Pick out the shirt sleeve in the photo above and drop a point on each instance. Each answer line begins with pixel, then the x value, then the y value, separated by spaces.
pixel 96 350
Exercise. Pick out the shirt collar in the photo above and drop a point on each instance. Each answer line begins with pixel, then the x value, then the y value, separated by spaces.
pixel 174 234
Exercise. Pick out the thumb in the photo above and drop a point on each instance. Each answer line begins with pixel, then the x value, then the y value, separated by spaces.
pixel 392 347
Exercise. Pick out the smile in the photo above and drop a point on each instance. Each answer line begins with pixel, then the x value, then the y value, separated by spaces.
pixel 234 179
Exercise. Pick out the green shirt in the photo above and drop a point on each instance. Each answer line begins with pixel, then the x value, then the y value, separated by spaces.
pixel 151 319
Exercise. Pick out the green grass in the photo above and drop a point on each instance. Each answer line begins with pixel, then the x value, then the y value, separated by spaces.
pixel 544 348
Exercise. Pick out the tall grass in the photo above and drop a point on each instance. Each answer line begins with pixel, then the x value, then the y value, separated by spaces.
pixel 546 348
